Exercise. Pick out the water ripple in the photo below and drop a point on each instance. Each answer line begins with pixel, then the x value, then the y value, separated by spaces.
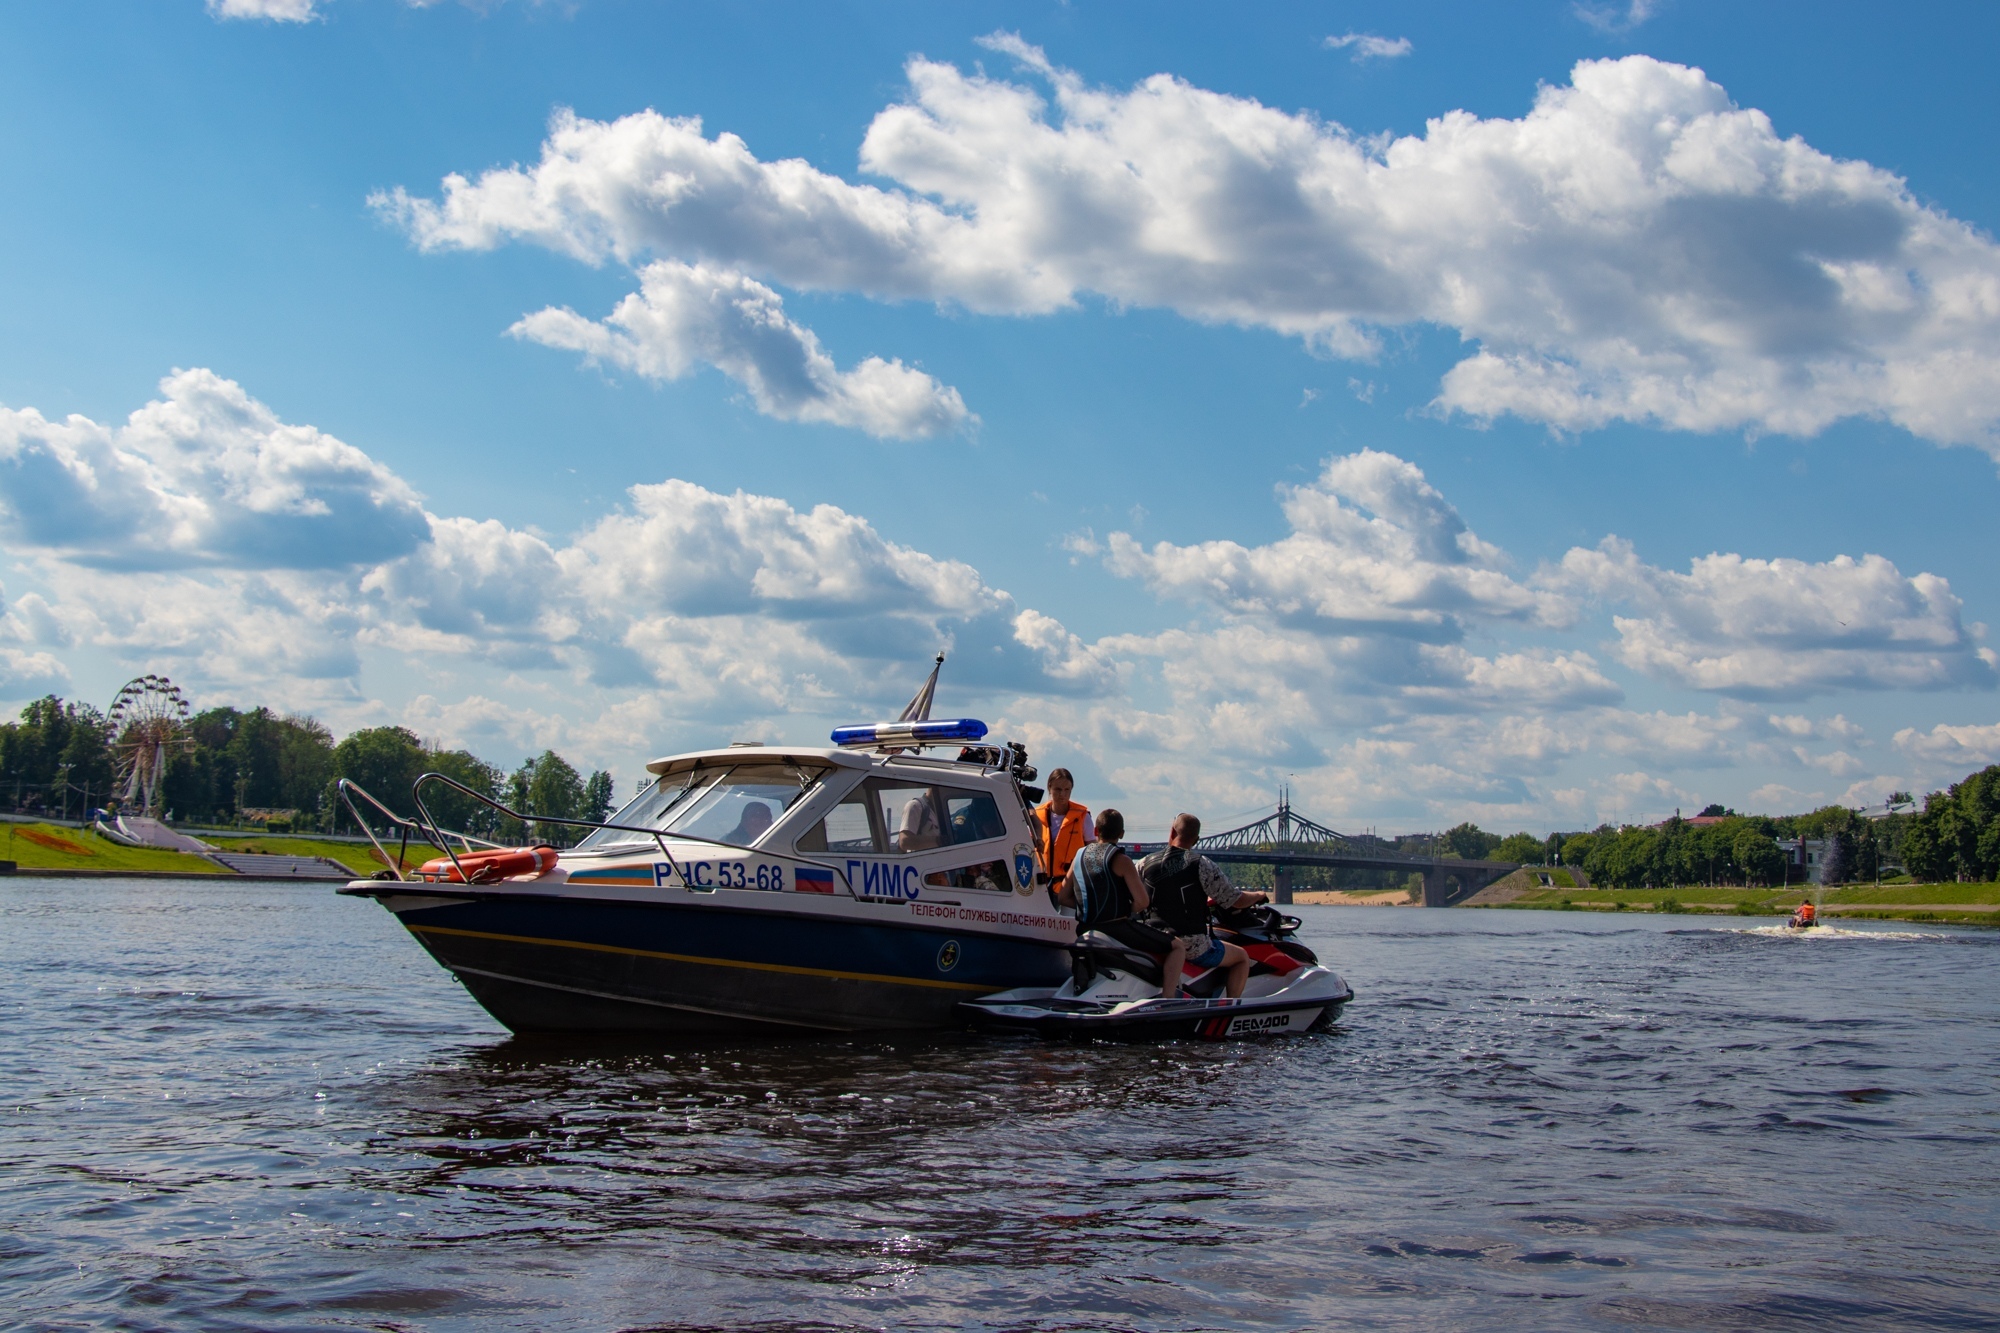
pixel 250 1106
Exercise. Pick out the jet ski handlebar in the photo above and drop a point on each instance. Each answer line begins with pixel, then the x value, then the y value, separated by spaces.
pixel 1259 917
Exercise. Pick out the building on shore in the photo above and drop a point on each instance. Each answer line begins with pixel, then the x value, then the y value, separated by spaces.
pixel 1806 857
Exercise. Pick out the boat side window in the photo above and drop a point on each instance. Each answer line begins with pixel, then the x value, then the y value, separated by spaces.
pixel 971 816
pixel 910 815
pixel 919 818
pixel 846 828
pixel 990 876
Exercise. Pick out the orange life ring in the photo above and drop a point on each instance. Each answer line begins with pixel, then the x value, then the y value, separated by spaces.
pixel 485 867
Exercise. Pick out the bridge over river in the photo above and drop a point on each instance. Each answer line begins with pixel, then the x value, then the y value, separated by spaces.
pixel 1287 840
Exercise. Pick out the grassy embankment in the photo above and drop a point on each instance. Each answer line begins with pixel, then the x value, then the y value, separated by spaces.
pixel 55 847
pixel 1966 903
pixel 356 856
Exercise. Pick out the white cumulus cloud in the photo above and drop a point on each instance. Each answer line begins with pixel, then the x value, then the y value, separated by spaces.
pixel 1948 747
pixel 205 475
pixel 1610 18
pixel 1636 247
pixel 1374 548
pixel 685 315
pixel 1379 655
pixel 1784 628
pixel 1367 46
pixel 208 536
pixel 275 11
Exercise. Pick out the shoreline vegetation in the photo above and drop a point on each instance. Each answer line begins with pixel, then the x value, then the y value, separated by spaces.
pixel 1896 899
pixel 1893 899
pixel 1957 904
pixel 262 774
pixel 61 847
pixel 1889 901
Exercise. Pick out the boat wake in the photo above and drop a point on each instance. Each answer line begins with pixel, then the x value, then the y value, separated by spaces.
pixel 1833 933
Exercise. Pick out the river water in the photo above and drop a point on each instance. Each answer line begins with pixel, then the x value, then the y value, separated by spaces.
pixel 262 1107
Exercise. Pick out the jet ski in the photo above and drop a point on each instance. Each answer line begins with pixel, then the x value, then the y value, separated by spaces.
pixel 1114 991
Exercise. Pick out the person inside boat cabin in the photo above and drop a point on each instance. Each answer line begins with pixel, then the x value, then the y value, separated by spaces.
pixel 1181 883
pixel 917 829
pixel 752 824
pixel 1105 889
pixel 1062 827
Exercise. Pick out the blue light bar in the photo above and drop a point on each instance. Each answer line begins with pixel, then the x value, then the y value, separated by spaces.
pixel 912 733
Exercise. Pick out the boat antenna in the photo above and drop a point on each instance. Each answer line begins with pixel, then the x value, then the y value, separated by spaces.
pixel 919 708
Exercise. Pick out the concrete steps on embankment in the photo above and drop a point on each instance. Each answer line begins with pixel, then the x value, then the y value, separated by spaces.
pixel 270 865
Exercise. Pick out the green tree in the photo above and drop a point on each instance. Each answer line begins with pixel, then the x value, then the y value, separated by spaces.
pixel 384 761
pixel 548 785
pixel 597 797
pixel 305 766
pixel 1577 849
pixel 1836 863
pixel 1627 859
pixel 1469 842
pixel 453 809
pixel 1952 837
pixel 254 759
pixel 1757 856
pixel 1923 855
pixel 55 756
pixel 1523 847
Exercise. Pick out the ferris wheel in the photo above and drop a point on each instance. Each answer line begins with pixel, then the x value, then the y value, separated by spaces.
pixel 148 725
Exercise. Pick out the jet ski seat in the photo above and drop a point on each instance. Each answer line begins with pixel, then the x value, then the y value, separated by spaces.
pixel 1096 951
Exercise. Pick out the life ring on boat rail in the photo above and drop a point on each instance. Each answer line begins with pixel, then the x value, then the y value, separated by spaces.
pixel 485 867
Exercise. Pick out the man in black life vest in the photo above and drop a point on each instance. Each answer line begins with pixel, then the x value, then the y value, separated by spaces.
pixel 1105 889
pixel 1181 882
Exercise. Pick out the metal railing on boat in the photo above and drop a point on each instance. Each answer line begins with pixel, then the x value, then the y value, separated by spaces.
pixel 435 835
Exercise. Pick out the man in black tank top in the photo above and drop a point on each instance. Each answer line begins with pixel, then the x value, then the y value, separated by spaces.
pixel 1105 889
pixel 1181 883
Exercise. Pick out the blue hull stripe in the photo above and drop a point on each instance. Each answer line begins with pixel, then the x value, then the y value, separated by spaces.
pixel 800 945
pixel 697 958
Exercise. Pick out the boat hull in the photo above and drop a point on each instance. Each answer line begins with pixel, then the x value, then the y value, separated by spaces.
pixel 549 965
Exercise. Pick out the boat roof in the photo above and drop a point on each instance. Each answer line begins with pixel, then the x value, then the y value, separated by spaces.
pixel 841 758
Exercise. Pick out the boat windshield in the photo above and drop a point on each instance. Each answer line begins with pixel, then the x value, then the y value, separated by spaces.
pixel 732 803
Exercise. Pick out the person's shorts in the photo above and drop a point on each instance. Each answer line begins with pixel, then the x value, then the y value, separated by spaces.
pixel 1137 935
pixel 1204 950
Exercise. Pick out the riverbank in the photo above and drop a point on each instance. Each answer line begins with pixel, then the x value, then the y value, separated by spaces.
pixel 1344 898
pixel 1965 904
pixel 64 849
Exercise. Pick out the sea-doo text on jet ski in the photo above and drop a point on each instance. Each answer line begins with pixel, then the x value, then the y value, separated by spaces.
pixel 1114 991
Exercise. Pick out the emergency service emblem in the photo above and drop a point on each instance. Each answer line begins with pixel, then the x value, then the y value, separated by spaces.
pixel 1024 868
pixel 948 956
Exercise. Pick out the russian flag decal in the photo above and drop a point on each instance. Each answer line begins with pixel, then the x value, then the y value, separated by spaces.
pixel 812 879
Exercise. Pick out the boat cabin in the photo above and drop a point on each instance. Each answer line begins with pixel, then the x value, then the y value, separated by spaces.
pixel 871 817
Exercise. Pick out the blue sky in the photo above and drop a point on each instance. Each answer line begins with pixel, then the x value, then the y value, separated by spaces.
pixel 1538 415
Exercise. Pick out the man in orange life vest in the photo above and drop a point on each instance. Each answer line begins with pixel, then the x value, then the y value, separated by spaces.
pixel 1061 826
